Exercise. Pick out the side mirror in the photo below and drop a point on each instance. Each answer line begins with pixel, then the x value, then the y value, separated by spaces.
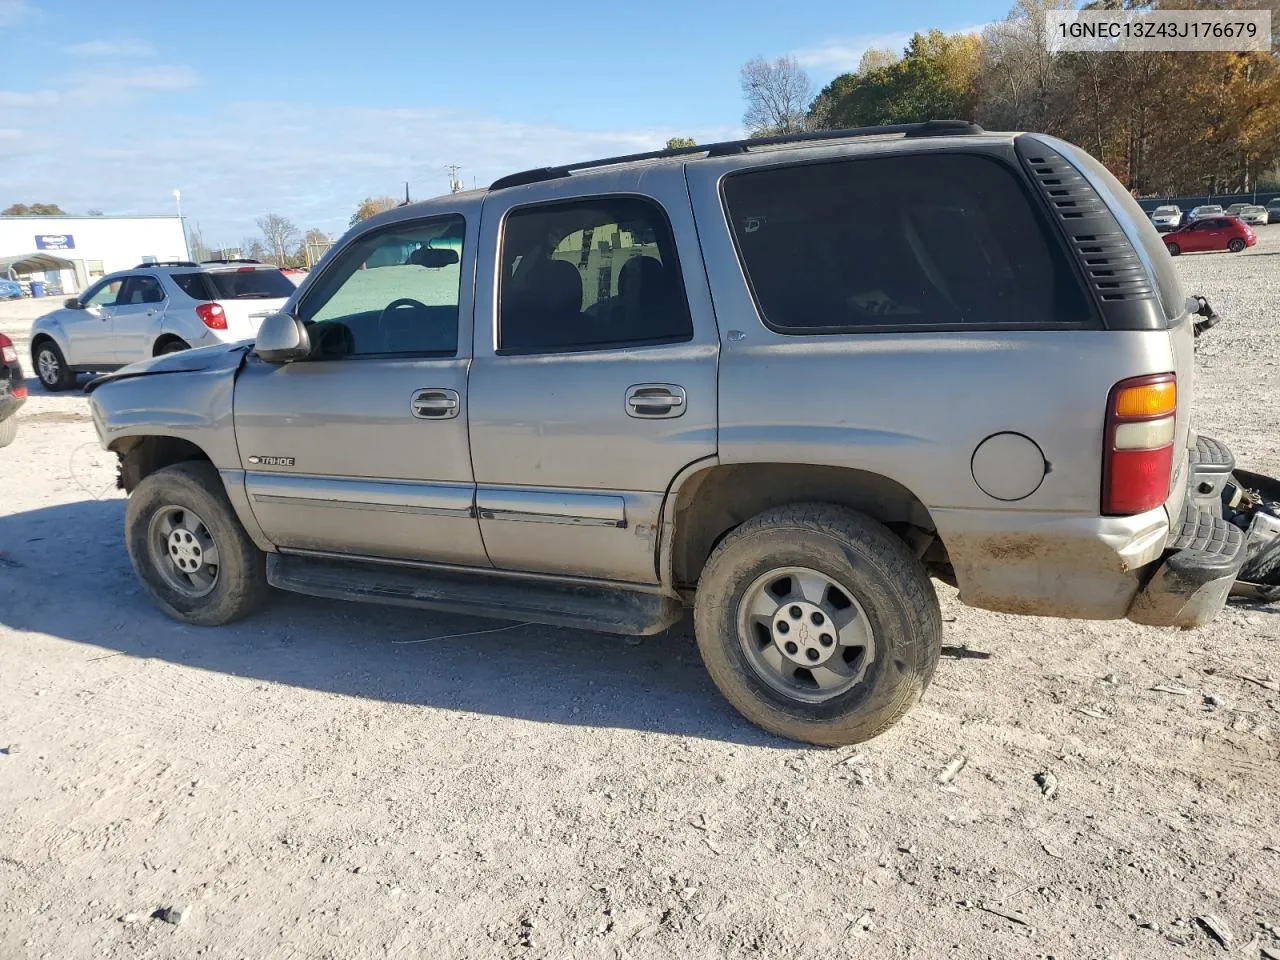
pixel 282 338
pixel 73 303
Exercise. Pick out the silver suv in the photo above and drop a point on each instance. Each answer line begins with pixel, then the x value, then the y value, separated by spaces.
pixel 780 382
pixel 152 309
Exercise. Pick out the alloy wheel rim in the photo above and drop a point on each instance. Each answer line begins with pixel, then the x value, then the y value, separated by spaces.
pixel 182 550
pixel 804 634
pixel 47 366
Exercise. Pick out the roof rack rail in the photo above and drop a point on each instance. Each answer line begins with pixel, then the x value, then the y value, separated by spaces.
pixel 232 260
pixel 167 263
pixel 926 128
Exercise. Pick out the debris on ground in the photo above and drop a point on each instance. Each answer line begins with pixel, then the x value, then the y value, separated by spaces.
pixel 1265 682
pixel 174 914
pixel 1176 691
pixel 1048 784
pixel 1216 928
pixel 951 769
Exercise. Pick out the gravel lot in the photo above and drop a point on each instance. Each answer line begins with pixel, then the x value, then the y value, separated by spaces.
pixel 328 780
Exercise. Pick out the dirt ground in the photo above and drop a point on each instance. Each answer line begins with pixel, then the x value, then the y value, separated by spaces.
pixel 327 780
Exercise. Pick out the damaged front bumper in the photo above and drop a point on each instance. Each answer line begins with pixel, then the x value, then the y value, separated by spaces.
pixel 1229 531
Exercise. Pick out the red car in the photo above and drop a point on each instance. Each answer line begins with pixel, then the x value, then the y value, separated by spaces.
pixel 1211 233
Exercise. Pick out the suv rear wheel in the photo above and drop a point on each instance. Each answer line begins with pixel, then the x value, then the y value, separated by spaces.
pixel 189 550
pixel 818 624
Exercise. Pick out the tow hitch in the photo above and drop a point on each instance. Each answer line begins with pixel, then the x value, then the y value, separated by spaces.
pixel 1252 502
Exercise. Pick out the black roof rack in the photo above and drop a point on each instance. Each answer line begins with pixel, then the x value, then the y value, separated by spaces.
pixel 167 263
pixel 927 128
pixel 232 260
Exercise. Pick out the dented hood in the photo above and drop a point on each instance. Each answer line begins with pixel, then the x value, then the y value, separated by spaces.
pixel 223 356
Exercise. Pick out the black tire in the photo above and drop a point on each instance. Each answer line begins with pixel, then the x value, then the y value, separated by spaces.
pixel 1236 245
pixel 867 561
pixel 56 375
pixel 240 585
pixel 8 430
pixel 1174 249
pixel 173 346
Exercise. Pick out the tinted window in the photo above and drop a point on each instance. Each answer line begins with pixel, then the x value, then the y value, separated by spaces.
pixel 103 295
pixel 193 285
pixel 250 283
pixel 898 241
pixel 139 290
pixel 395 290
pixel 590 274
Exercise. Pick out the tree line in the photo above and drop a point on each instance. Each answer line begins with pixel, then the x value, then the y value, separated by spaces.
pixel 1163 123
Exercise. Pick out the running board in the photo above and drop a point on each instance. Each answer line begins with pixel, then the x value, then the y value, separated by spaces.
pixel 607 609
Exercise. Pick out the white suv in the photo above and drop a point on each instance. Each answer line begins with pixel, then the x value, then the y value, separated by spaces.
pixel 152 309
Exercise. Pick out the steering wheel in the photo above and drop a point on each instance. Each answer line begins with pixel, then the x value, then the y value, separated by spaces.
pixel 389 314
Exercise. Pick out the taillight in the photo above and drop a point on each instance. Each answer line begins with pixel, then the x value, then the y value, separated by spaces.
pixel 1137 461
pixel 212 315
pixel 7 353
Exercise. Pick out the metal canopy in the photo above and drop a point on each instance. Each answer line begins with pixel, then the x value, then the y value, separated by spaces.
pixel 33 261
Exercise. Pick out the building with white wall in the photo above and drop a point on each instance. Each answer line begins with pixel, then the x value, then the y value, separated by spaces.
pixel 69 253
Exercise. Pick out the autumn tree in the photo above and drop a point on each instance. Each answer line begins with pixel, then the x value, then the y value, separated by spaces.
pixel 777 94
pixel 676 142
pixel 371 206
pixel 33 210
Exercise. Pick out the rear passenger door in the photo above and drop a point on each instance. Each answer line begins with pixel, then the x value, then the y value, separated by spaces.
pixel 135 318
pixel 363 449
pixel 594 378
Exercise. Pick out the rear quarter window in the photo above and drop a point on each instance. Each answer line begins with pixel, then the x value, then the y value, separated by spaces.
pixel 903 242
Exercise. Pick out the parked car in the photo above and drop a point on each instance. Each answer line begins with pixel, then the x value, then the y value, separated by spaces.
pixel 1217 233
pixel 1254 215
pixel 153 309
pixel 1166 218
pixel 13 390
pixel 540 415
pixel 1205 210
pixel 1273 210
pixel 1236 209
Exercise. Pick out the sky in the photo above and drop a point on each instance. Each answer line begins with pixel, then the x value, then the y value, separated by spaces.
pixel 303 109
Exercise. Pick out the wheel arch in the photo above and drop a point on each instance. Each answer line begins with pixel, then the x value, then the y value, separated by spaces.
pixel 709 499
pixel 140 456
pixel 164 340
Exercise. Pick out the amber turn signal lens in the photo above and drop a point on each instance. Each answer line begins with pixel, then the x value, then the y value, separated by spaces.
pixel 1147 400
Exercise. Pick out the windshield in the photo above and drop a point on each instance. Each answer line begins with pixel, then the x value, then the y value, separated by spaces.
pixel 1208 210
pixel 251 284
pixel 1161 211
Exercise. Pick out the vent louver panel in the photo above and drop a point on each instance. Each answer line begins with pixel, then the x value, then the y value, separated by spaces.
pixel 1112 265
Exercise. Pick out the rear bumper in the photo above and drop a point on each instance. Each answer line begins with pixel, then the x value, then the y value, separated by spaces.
pixel 1190 585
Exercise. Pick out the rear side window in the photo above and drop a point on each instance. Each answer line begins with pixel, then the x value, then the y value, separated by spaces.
pixel 140 290
pixel 250 283
pixel 193 285
pixel 591 274
pixel 899 243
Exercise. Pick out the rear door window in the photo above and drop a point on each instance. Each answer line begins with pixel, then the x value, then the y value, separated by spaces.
pixel 904 242
pixel 250 283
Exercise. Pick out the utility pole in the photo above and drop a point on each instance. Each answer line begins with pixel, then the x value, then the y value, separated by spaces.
pixel 455 184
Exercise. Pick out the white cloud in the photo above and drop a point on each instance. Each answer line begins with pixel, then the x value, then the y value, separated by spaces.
pixel 310 162
pixel 11 11
pixel 841 54
pixel 110 85
pixel 123 47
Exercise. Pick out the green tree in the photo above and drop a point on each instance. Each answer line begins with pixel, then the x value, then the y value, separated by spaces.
pixel 675 142
pixel 33 210
pixel 935 79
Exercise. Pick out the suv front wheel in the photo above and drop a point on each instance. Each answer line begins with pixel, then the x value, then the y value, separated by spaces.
pixel 818 624
pixel 189 549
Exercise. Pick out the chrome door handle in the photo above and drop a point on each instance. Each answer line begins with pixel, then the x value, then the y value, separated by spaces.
pixel 434 403
pixel 653 401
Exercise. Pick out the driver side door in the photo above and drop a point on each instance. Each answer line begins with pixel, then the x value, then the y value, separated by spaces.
pixel 88 330
pixel 363 450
